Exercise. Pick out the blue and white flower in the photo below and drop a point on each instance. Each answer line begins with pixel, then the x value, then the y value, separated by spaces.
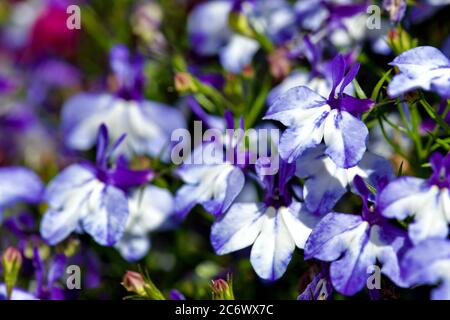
pixel 355 243
pixel 149 209
pixel 145 122
pixel 427 201
pixel 421 68
pixel 19 184
pixel 311 118
pixel 209 32
pixel 428 263
pixel 91 198
pixel 273 227
pixel 326 183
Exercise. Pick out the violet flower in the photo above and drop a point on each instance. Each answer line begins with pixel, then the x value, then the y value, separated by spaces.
pixel 424 68
pixel 395 8
pixel 48 274
pixel 319 288
pixel 318 79
pixel 149 210
pixel 91 198
pixel 428 263
pixel 211 178
pixel 19 184
pixel 427 201
pixel 326 183
pixel 273 227
pixel 311 118
pixel 148 124
pixel 209 33
pixel 353 243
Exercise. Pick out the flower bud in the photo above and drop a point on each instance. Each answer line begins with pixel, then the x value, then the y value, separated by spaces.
pixel 143 287
pixel 12 262
pixel 134 282
pixel 184 82
pixel 222 290
pixel 280 65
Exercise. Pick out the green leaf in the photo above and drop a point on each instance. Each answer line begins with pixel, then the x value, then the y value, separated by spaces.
pixel 380 83
pixel 359 91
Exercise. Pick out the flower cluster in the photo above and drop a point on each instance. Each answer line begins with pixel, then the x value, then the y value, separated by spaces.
pixel 325 127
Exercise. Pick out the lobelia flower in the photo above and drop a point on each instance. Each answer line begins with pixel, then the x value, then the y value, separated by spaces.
pixel 428 201
pixel 354 243
pixel 209 33
pixel 47 275
pixel 318 79
pixel 395 8
pixel 91 198
pixel 273 227
pixel 428 263
pixel 149 209
pixel 211 178
pixel 421 68
pixel 148 124
pixel 326 183
pixel 311 118
pixel 19 184
pixel 319 288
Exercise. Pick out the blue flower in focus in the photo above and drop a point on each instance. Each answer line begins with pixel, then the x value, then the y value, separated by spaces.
pixel 91 198
pixel 423 67
pixel 353 243
pixel 326 183
pixel 311 118
pixel 428 201
pixel 273 227
pixel 148 124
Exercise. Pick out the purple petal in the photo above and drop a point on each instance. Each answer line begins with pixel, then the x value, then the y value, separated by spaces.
pixel 422 67
pixel 19 185
pixel 427 263
pixel 81 118
pixel 237 228
pixel 108 216
pixel 66 195
pixel 325 242
pixel 238 53
pixel 294 105
pixel 345 137
pixel 354 105
pixel 338 67
pixel 208 27
pixel 57 269
pixel 215 187
pixel 397 198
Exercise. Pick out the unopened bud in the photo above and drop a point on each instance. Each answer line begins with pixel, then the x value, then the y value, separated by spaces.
pixel 239 23
pixel 134 282
pixel 143 287
pixel 12 262
pixel 222 290
pixel 280 65
pixel 184 82
pixel 400 41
